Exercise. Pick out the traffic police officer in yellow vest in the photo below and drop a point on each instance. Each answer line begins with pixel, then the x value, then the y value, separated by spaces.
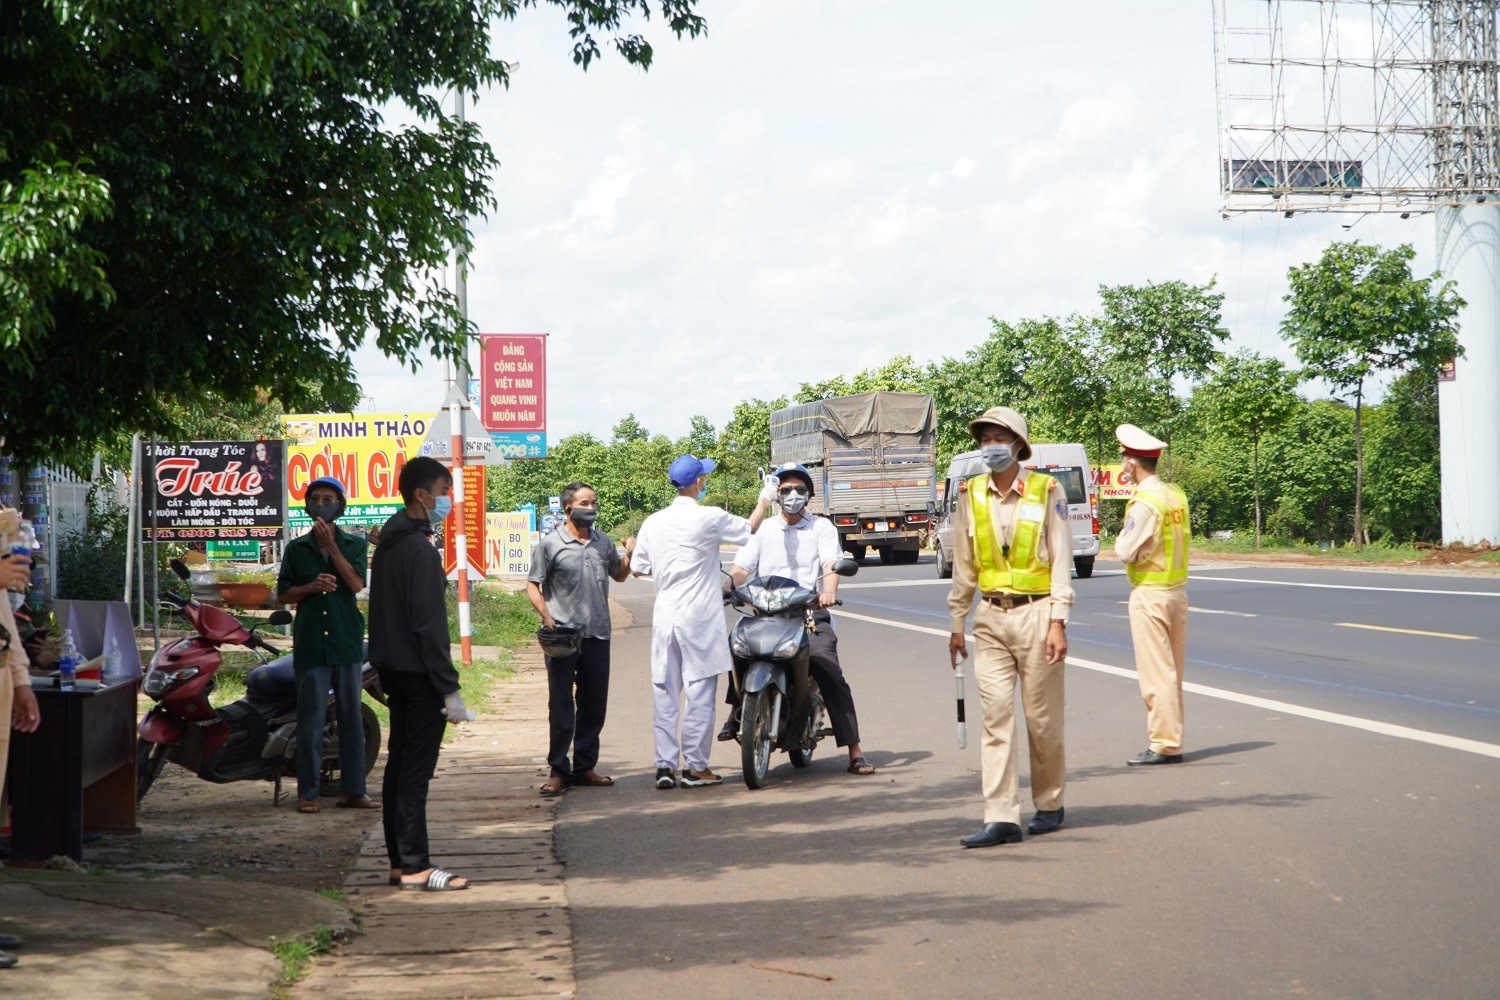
pixel 1153 545
pixel 1012 545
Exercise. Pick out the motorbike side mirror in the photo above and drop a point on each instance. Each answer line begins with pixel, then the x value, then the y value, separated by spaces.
pixel 281 616
pixel 846 566
pixel 180 569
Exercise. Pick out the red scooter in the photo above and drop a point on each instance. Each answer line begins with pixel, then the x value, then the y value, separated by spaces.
pixel 255 737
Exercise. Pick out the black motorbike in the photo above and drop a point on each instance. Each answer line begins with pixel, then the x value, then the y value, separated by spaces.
pixel 780 707
pixel 252 738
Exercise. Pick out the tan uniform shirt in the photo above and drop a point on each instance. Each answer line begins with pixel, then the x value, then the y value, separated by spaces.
pixel 1057 538
pixel 1141 537
pixel 16 662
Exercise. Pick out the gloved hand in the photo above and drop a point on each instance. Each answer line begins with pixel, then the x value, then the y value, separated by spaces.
pixel 455 710
pixel 768 489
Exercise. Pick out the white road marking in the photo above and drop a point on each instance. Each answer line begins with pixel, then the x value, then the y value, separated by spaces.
pixel 1286 708
pixel 1406 631
pixel 1217 611
pixel 1346 586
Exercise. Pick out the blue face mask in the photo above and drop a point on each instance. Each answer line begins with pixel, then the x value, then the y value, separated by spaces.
pixel 703 493
pixel 443 509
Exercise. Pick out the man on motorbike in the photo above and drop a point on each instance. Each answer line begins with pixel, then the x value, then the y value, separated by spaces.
pixel 321 572
pixel 802 547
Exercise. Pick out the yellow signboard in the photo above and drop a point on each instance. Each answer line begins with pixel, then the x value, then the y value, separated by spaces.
pixel 363 451
pixel 1113 483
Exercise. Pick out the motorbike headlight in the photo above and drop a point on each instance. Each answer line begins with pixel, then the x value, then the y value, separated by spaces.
pixel 159 680
pixel 738 646
pixel 788 649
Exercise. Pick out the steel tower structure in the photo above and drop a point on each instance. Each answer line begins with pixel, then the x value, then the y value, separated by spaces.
pixel 1384 106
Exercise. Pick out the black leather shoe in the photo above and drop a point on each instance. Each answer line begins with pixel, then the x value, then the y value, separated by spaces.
pixel 992 834
pixel 1149 756
pixel 1045 821
pixel 730 728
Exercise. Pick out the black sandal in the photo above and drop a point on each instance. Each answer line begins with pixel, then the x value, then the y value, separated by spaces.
pixel 858 766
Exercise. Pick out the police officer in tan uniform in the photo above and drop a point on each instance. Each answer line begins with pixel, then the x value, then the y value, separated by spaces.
pixel 1012 546
pixel 1153 545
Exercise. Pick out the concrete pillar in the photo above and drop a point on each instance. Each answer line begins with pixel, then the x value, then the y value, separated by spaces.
pixel 1468 252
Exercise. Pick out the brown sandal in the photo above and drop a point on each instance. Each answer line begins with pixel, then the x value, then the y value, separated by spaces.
pixel 307 805
pixel 356 802
pixel 554 787
pixel 593 779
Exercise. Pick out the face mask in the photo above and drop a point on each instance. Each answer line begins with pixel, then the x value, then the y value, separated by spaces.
pixel 584 517
pixel 793 501
pixel 327 511
pixel 703 493
pixel 998 457
pixel 444 507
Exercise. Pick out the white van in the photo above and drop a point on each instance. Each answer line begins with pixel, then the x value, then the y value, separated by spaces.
pixel 1068 464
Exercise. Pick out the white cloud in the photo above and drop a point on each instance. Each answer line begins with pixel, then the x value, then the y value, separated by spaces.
pixel 817 186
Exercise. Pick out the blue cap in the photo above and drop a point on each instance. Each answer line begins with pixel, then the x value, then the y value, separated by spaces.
pixel 685 471
pixel 326 481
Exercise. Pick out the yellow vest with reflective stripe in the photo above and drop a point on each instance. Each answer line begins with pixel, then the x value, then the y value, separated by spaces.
pixel 1021 571
pixel 1167 568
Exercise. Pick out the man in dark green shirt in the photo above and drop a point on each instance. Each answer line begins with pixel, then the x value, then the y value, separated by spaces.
pixel 321 572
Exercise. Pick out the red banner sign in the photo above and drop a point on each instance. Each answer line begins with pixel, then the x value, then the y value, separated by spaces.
pixel 513 381
pixel 474 525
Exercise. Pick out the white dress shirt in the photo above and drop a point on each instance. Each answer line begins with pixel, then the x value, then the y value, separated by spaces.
pixel 678 547
pixel 800 551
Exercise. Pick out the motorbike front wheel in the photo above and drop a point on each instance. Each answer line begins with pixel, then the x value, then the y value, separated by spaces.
pixel 802 755
pixel 150 758
pixel 755 739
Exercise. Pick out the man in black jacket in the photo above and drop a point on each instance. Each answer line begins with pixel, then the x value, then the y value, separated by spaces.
pixel 409 645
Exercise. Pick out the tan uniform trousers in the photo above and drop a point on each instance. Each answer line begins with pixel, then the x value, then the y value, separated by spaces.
pixel 7 696
pixel 1012 645
pixel 1158 628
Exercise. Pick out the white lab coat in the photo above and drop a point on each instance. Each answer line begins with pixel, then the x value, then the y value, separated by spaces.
pixel 679 548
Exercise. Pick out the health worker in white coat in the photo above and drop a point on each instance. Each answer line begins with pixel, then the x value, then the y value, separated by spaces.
pixel 678 547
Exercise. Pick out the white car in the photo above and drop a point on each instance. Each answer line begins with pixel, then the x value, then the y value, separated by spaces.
pixel 1068 464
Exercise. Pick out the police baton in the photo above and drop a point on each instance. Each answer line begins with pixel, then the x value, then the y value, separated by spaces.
pixel 958 680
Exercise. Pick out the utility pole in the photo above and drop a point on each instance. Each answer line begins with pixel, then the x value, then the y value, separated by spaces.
pixel 458 402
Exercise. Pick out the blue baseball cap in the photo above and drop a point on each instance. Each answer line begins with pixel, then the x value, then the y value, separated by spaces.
pixel 684 471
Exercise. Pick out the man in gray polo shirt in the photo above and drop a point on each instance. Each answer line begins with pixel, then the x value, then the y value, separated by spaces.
pixel 569 583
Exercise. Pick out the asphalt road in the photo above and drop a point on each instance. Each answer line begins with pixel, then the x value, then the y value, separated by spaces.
pixel 1331 834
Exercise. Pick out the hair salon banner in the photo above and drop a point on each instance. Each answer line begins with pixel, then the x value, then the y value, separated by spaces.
pixel 220 490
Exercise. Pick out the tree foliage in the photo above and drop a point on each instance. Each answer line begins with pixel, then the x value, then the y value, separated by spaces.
pixel 1357 313
pixel 202 199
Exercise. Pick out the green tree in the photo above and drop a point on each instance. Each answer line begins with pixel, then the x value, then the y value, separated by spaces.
pixel 900 374
pixel 702 438
pixel 1249 396
pixel 1309 471
pixel 1404 450
pixel 203 196
pixel 1357 313
pixel 628 429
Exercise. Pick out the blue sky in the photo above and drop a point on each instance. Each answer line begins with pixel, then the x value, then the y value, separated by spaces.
pixel 818 185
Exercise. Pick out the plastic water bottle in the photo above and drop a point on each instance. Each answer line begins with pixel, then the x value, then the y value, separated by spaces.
pixel 110 671
pixel 24 544
pixel 67 662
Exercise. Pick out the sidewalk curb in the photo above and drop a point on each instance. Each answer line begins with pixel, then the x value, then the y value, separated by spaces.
pixel 510 934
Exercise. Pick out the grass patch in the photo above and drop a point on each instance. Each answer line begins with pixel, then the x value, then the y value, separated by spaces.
pixel 1376 553
pixel 296 954
pixel 477 682
pixel 499 617
pixel 329 892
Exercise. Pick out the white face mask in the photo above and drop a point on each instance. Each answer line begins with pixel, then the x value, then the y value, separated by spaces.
pixel 998 457
pixel 794 500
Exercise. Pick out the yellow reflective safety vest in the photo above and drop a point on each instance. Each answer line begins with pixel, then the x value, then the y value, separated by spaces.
pixel 1167 568
pixel 1020 570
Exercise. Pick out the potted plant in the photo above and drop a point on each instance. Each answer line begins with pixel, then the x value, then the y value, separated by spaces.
pixel 246 588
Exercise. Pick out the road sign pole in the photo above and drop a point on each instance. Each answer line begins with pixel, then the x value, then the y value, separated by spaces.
pixel 460 539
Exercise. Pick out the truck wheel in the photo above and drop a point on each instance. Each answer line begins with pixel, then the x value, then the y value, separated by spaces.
pixel 944 567
pixel 857 553
pixel 905 557
pixel 885 554
pixel 1085 566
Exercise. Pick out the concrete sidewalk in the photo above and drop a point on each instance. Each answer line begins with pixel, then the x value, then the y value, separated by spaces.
pixel 510 933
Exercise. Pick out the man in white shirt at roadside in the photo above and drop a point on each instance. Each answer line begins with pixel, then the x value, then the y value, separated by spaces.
pixel 678 547
pixel 805 548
